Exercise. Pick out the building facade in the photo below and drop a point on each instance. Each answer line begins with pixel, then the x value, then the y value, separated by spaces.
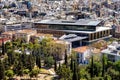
pixel 26 34
pixel 91 29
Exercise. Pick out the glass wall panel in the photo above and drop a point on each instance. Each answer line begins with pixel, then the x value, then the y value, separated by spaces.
pixel 72 27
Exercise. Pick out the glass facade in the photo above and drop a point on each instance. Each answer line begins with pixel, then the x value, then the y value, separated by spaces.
pixel 66 27
pixel 76 28
pixel 53 29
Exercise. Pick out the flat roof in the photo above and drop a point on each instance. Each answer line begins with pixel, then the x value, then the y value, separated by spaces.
pixel 98 29
pixel 107 51
pixel 89 22
pixel 72 38
pixel 75 39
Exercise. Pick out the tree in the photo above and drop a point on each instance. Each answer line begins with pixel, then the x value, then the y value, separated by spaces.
pixel 65 73
pixel 59 66
pixel 15 45
pixel 66 62
pixel 49 61
pixel 11 57
pixel 8 46
pixel 75 73
pixel 3 47
pixel 38 61
pixel 72 64
pixel 103 65
pixel 9 73
pixel 2 71
pixel 83 74
pixel 24 59
pixel 117 66
pixel 26 71
pixel 92 67
pixel 30 62
pixel 6 64
pixel 97 69
pixel 114 74
pixel 55 65
pixel 34 72
pixel 18 68
pixel 107 77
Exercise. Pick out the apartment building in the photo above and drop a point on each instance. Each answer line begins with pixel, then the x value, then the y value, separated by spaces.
pixel 112 51
pixel 11 27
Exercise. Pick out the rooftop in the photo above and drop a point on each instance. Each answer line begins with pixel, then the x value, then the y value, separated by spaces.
pixel 81 49
pixel 89 22
pixel 25 31
pixel 8 32
pixel 71 38
pixel 41 34
pixel 3 40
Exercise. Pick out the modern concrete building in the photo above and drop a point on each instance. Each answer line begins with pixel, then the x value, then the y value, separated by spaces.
pixel 91 29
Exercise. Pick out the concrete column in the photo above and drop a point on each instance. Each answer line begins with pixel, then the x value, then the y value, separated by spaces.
pixel 80 43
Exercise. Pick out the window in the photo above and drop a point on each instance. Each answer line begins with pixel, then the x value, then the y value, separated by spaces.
pixel 71 27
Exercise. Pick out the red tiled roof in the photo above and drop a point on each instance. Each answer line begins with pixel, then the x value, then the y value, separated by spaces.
pixel 81 49
pixel 4 39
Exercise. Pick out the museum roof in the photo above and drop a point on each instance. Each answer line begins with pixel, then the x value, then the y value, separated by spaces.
pixel 88 22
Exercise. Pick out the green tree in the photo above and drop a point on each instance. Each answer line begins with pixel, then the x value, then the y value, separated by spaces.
pixel 2 71
pixel 3 47
pixel 103 65
pixel 115 74
pixel 49 61
pixel 11 57
pixel 34 72
pixel 18 68
pixel 66 62
pixel 8 46
pixel 9 73
pixel 64 73
pixel 59 66
pixel 30 46
pixel 117 65
pixel 55 65
pixel 24 59
pixel 6 64
pixel 75 72
pixel 92 67
pixel 83 73
pixel 107 77
pixel 15 45
pixel 97 69
pixel 38 61
pixel 26 71
pixel 72 64
pixel 30 62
